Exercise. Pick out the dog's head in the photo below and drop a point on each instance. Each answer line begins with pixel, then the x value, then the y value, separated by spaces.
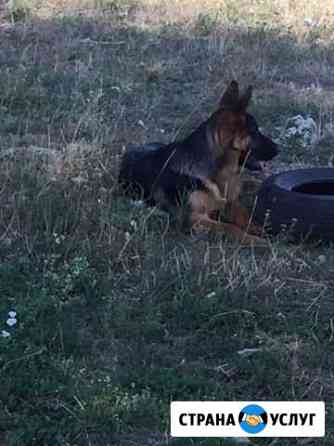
pixel 238 130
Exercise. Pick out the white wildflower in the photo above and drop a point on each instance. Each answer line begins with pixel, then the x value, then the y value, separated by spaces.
pixel 310 23
pixel 5 334
pixel 11 321
pixel 12 314
pixel 137 203
pixel 133 223
pixel 58 238
pixel 210 295
pixel 303 128
pixel 248 351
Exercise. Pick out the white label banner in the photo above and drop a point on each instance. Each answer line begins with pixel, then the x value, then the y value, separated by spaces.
pixel 247 419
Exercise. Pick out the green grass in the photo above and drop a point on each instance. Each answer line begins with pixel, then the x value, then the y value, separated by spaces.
pixel 118 311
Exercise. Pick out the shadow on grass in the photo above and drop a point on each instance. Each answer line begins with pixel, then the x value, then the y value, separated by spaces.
pixel 117 313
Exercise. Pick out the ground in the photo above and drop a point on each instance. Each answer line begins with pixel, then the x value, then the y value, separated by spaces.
pixel 117 311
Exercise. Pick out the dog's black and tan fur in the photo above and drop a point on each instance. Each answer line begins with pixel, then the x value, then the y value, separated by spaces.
pixel 205 167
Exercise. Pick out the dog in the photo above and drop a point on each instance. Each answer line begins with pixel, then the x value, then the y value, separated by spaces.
pixel 203 170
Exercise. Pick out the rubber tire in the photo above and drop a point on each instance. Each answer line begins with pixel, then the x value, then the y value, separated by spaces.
pixel 303 215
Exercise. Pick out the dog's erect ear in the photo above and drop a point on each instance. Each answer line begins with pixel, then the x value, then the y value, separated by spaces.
pixel 245 98
pixel 230 99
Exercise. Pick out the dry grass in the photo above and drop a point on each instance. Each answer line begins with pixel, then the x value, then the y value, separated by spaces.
pixel 297 16
pixel 118 311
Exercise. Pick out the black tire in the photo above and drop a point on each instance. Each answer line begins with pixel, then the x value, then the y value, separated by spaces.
pixel 130 178
pixel 299 201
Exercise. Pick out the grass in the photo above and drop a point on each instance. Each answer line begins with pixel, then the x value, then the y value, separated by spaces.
pixel 118 312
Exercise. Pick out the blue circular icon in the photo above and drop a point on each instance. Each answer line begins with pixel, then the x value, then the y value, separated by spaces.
pixel 253 419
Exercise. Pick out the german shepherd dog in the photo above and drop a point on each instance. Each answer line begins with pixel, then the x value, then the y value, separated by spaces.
pixel 204 169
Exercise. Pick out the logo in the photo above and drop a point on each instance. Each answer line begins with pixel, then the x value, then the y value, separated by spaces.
pixel 253 419
pixel 247 418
